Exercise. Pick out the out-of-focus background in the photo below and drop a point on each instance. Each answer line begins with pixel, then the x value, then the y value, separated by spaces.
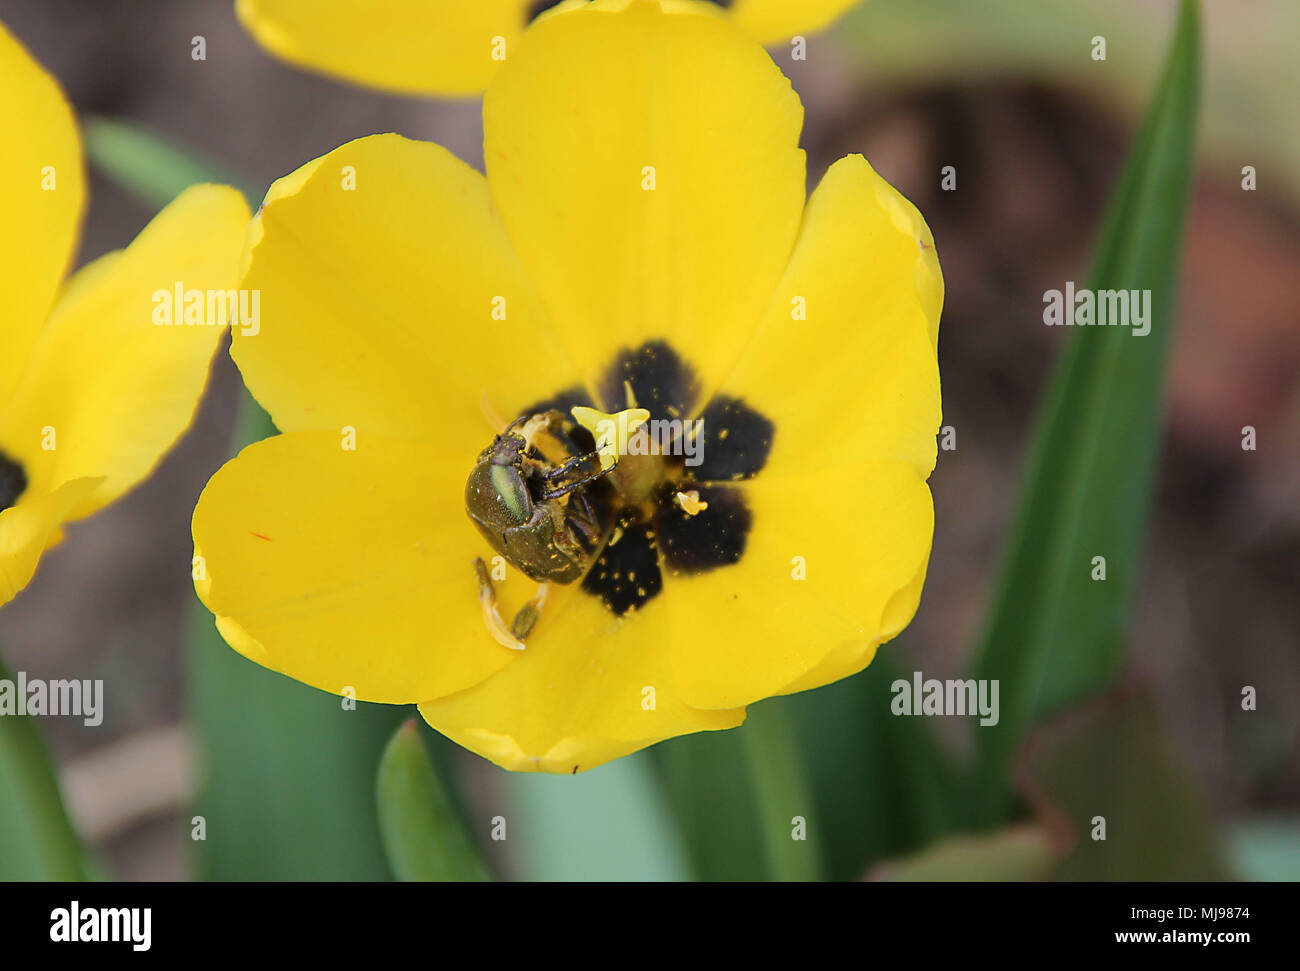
pixel 1006 92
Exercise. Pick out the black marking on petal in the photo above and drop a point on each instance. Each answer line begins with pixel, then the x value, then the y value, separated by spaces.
pixel 711 538
pixel 561 401
pixel 734 441
pixel 626 575
pixel 661 381
pixel 537 8
pixel 13 481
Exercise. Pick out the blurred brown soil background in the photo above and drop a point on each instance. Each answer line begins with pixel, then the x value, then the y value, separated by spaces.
pixel 1035 162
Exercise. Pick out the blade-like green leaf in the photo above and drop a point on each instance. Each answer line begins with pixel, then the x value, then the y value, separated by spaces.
pixel 146 164
pixel 787 821
pixel 419 823
pixel 742 799
pixel 37 841
pixel 870 785
pixel 883 785
pixel 709 789
pixel 1055 634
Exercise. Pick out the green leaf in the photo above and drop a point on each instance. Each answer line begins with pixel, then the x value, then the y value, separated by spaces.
pixel 609 824
pixel 742 799
pixel 785 806
pixel 709 788
pixel 1022 853
pixel 37 841
pixel 288 774
pixel 1113 765
pixel 288 790
pixel 1054 634
pixel 146 164
pixel 870 785
pixel 418 821
pixel 882 784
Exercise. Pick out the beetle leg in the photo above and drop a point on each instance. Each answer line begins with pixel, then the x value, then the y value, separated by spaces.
pixel 568 466
pixel 487 599
pixel 577 484
pixel 582 518
pixel 529 613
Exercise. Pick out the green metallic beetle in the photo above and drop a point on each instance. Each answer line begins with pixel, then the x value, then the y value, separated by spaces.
pixel 518 502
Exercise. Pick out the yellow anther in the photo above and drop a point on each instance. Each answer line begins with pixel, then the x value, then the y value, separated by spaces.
pixel 690 502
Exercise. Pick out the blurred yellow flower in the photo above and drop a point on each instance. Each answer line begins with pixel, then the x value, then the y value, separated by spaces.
pixel 641 240
pixel 92 393
pixel 454 47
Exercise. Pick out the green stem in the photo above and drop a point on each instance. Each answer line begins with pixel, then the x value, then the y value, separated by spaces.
pixel 37 841
pixel 786 818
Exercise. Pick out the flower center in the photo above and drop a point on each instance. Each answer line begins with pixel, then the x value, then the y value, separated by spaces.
pixel 674 503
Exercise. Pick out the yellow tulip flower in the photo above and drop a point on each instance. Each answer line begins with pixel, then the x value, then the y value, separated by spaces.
pixel 641 241
pixel 92 391
pixel 454 47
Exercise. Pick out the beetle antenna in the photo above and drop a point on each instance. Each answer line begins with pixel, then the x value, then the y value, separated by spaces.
pixel 511 426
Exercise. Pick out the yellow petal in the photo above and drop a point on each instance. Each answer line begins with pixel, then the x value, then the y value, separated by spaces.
pixel 31 526
pixel 590 687
pixel 845 362
pixel 833 566
pixel 42 189
pixel 347 569
pixel 107 391
pixel 777 21
pixel 413 46
pixel 391 301
pixel 454 47
pixel 646 164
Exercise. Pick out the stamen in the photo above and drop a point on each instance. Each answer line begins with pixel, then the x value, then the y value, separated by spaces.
pixel 491 415
pixel 487 600
pixel 533 426
pixel 527 617
pixel 690 502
